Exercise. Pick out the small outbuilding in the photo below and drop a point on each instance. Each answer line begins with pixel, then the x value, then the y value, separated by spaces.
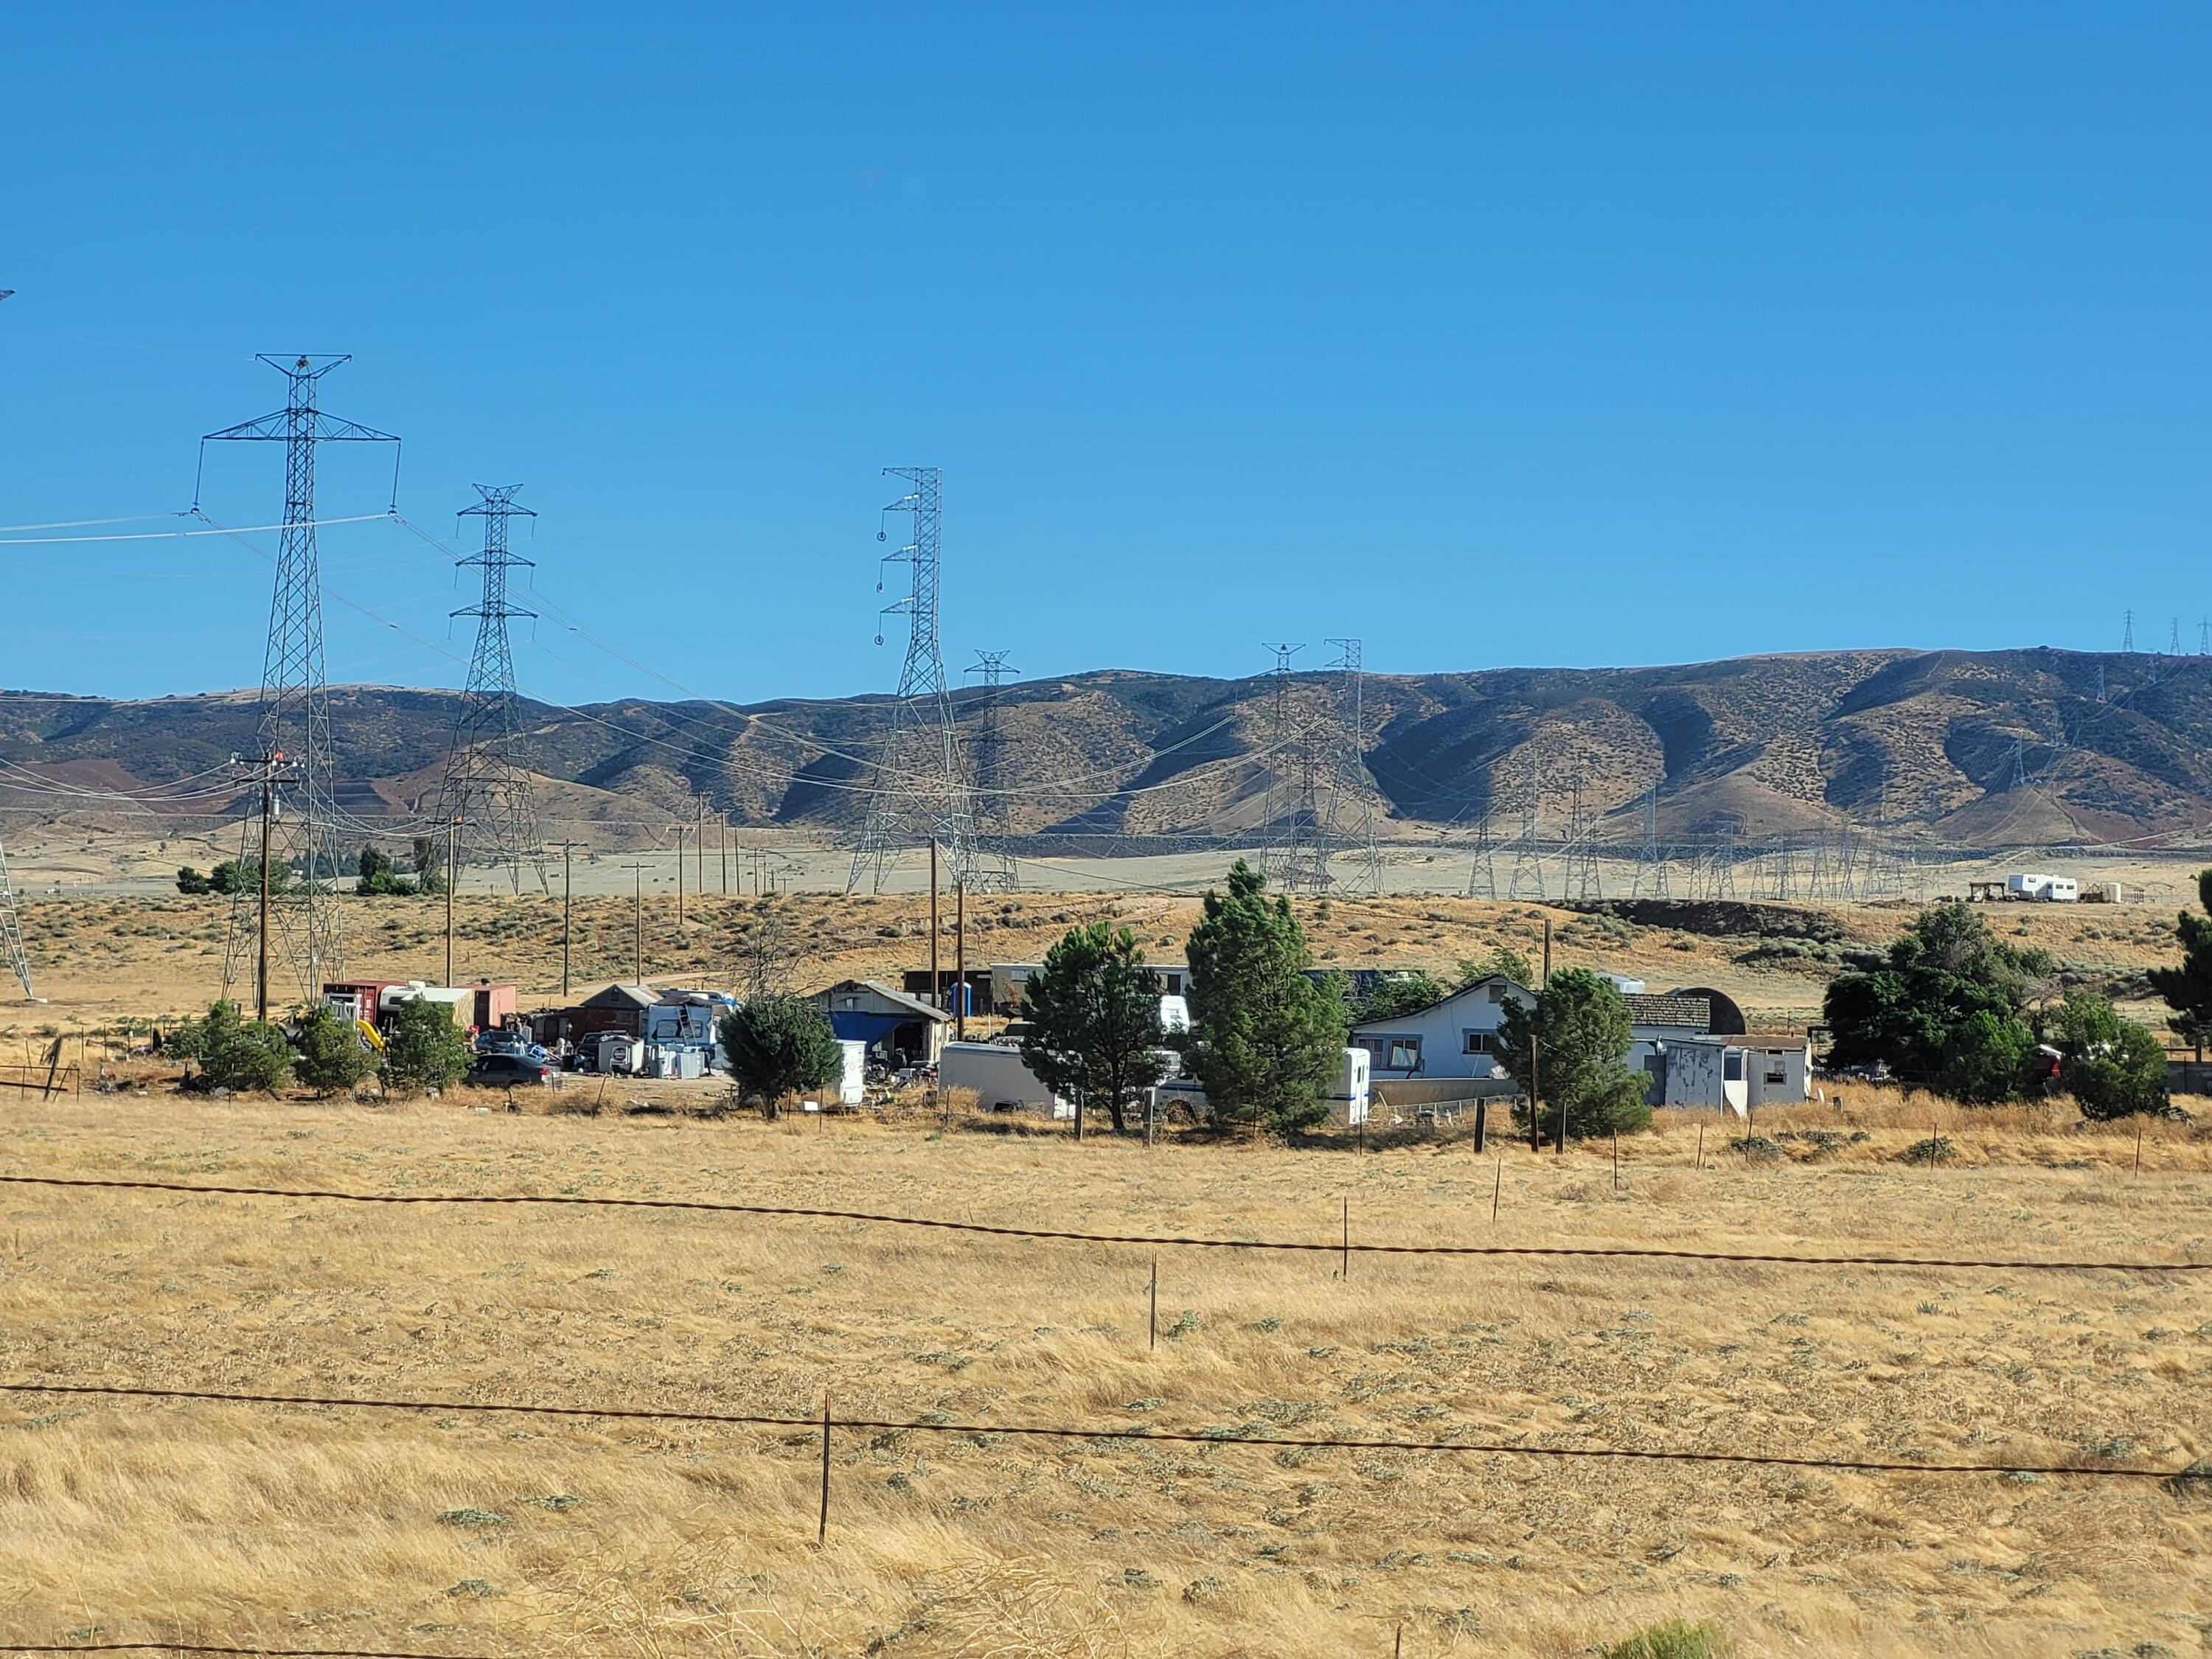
pixel 898 1029
pixel 618 1008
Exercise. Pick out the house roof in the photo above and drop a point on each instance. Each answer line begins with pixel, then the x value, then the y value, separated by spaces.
pixel 914 1005
pixel 1727 1014
pixel 1692 1013
pixel 1398 1021
pixel 622 996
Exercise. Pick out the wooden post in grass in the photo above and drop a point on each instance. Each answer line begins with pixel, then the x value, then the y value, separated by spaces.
pixel 1616 1160
pixel 637 923
pixel 1346 1271
pixel 2138 1142
pixel 821 1531
pixel 1398 1645
pixel 960 959
pixel 1155 1342
pixel 568 916
pixel 452 869
pixel 1497 1190
pixel 1481 1127
pixel 1701 1149
pixel 1535 1135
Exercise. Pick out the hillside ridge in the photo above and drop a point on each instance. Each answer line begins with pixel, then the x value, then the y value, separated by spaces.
pixel 2033 746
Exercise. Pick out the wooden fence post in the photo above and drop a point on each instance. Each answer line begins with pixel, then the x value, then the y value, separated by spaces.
pixel 821 1531
pixel 1481 1127
pixel 1155 1342
pixel 1346 1272
pixel 1496 1189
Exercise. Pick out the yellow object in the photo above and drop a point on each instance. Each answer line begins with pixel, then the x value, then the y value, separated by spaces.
pixel 370 1035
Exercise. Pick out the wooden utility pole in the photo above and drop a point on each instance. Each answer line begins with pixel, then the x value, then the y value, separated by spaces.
pixel 722 837
pixel 637 923
pixel 936 988
pixel 261 971
pixel 1547 953
pixel 567 914
pixel 679 875
pixel 452 869
pixel 699 842
pixel 960 961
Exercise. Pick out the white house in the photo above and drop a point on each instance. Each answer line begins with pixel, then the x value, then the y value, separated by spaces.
pixel 1454 1037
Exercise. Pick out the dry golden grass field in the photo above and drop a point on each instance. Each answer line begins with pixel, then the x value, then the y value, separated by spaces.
pixel 103 962
pixel 443 1532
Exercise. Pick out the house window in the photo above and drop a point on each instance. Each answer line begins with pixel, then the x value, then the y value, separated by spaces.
pixel 1405 1055
pixel 1775 1072
pixel 1173 982
pixel 1732 1068
pixel 1476 1042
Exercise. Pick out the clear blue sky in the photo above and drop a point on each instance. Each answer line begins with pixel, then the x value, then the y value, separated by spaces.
pixel 1552 335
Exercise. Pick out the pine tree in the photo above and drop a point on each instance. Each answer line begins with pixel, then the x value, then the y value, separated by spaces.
pixel 1264 1040
pixel 1094 1015
pixel 2188 989
pixel 425 1049
pixel 780 1045
pixel 1582 1034
pixel 331 1056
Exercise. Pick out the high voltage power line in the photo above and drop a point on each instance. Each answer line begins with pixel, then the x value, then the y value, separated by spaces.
pixel 920 793
pixel 487 792
pixel 292 738
pixel 992 868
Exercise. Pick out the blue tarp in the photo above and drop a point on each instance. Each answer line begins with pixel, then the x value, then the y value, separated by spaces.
pixel 853 1024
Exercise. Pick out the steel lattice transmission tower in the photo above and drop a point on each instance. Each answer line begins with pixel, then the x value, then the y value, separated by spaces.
pixel 1482 871
pixel 991 868
pixel 292 738
pixel 1295 848
pixel 487 790
pixel 11 929
pixel 1351 804
pixel 1528 851
pixel 918 793
pixel 1651 857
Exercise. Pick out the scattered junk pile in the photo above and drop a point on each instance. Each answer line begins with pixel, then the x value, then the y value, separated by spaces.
pixel 623 1030
pixel 635 1030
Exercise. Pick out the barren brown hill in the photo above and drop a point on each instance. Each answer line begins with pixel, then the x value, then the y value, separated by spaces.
pixel 2009 748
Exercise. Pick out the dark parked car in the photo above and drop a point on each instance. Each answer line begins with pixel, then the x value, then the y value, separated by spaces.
pixel 505 1070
